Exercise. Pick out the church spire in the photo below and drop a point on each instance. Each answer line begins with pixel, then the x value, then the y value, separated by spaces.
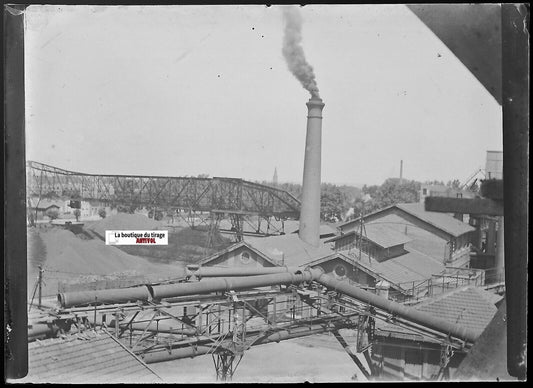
pixel 275 177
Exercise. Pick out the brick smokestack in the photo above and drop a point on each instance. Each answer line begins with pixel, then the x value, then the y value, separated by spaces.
pixel 310 211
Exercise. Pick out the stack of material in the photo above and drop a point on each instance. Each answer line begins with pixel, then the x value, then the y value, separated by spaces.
pixel 124 221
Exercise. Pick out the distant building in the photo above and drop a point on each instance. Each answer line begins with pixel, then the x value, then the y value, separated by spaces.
pixel 275 177
pixel 434 190
pixel 494 165
pixel 40 208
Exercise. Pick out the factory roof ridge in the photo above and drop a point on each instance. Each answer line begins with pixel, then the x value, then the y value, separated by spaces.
pixel 441 221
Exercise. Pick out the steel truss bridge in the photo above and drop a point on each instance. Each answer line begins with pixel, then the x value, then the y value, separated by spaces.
pixel 197 200
pixel 184 320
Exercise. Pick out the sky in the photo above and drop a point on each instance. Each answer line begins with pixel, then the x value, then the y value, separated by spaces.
pixel 189 90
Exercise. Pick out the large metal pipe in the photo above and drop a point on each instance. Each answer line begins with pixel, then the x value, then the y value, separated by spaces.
pixel 310 211
pixel 145 293
pixel 248 282
pixel 154 327
pixel 193 351
pixel 117 295
pixel 400 310
pixel 205 272
pixel 229 284
pixel 41 330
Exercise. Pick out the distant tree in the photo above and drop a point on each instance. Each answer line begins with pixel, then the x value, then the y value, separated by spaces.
pixel 77 214
pixel 332 203
pixel 102 212
pixel 455 184
pixel 388 194
pixel 434 182
pixel 203 176
pixel 156 214
pixel 52 213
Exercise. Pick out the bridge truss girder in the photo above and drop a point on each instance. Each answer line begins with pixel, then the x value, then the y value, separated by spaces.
pixel 239 198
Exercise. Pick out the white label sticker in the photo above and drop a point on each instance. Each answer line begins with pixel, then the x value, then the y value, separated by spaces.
pixel 136 237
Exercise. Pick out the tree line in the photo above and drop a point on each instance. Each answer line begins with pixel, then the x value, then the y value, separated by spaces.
pixel 345 202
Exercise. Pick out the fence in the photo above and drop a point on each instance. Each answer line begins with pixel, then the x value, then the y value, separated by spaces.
pixel 101 284
pixel 449 279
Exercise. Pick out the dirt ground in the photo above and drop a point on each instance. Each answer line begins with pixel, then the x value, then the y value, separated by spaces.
pixel 318 358
pixel 66 257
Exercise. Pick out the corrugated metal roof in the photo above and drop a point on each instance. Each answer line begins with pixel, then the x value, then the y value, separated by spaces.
pixel 89 357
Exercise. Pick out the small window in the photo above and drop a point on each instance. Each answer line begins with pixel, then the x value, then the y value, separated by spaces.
pixel 424 191
pixel 340 271
pixel 245 257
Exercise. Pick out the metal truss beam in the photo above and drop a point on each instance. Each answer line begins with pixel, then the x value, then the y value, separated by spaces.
pixel 227 195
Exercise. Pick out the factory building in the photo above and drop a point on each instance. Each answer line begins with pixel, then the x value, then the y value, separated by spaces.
pixel 437 235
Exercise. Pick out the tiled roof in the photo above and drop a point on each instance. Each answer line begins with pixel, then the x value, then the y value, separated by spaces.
pixel 289 246
pixel 487 359
pixel 469 307
pixel 89 357
pixel 441 221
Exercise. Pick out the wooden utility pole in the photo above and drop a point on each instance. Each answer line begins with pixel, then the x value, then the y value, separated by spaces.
pixel 40 284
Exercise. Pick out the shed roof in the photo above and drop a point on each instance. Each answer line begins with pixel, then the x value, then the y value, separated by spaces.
pixel 89 357
pixel 294 251
pixel 384 235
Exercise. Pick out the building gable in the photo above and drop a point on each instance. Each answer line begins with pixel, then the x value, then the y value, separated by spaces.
pixel 239 255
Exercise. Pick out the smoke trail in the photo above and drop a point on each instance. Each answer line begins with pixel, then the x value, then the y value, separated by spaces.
pixel 294 53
